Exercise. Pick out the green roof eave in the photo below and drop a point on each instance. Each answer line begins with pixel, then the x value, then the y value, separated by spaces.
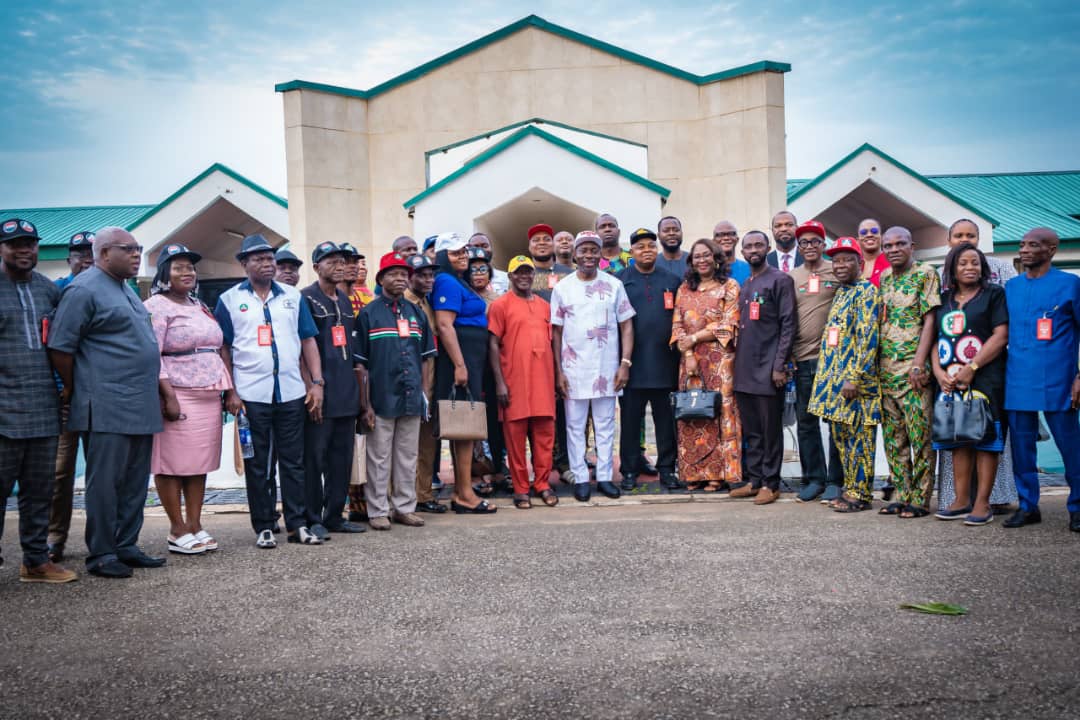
pixel 216 167
pixel 530 121
pixel 532 130
pixel 542 24
pixel 884 156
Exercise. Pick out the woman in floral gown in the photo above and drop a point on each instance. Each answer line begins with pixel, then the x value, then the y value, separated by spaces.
pixel 704 328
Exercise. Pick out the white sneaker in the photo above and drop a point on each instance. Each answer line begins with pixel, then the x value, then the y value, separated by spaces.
pixel 266 540
pixel 304 536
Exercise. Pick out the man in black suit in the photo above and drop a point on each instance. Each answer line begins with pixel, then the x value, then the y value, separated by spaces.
pixel 786 256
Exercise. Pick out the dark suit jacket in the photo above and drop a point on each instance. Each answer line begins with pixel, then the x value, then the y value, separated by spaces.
pixel 774 259
pixel 764 344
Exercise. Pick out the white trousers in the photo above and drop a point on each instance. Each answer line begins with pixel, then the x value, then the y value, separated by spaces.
pixel 603 417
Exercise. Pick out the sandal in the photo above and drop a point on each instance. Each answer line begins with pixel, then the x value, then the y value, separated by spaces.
pixel 913 511
pixel 849 505
pixel 482 508
pixel 522 502
pixel 694 486
pixel 891 509
pixel 205 538
pixel 186 544
pixel 714 486
pixel 484 489
pixel 549 497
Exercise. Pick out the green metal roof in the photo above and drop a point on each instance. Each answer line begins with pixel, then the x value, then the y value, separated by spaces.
pixel 1017 202
pixel 56 225
pixel 527 131
pixel 542 24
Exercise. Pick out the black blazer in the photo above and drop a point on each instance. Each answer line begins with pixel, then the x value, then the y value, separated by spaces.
pixel 774 259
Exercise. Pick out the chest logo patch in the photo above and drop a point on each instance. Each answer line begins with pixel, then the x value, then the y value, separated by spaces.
pixel 944 352
pixel 244 307
pixel 968 347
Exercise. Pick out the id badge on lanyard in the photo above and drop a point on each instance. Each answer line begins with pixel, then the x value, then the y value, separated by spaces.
pixel 337 334
pixel 832 337
pixel 669 300
pixel 402 327
pixel 755 310
pixel 266 336
pixel 813 285
pixel 552 281
pixel 1044 328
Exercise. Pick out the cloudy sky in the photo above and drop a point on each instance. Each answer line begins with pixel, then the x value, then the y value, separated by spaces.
pixel 124 101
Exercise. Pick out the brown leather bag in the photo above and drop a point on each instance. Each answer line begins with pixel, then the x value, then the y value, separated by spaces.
pixel 462 419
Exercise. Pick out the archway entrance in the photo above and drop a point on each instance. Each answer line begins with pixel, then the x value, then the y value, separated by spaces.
pixel 508 223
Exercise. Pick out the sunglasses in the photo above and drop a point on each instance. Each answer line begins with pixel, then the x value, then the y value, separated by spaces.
pixel 863 232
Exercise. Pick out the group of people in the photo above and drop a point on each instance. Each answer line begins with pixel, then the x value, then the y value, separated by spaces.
pixel 569 337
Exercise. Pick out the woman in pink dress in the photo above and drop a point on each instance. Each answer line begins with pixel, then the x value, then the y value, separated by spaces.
pixel 192 379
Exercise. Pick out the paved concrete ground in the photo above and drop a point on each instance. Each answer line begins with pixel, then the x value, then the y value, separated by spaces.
pixel 715 609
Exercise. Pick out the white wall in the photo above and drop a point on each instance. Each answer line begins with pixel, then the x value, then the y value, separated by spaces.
pixel 627 155
pixel 534 162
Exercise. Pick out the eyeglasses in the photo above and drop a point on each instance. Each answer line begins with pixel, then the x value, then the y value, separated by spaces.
pixel 731 234
pixel 810 242
pixel 863 232
pixel 129 249
pixel 481 270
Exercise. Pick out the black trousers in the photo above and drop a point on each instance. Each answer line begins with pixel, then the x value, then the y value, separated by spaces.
pixel 328 459
pixel 560 459
pixel 31 462
pixel 631 414
pixel 811 452
pixel 277 426
pixel 494 427
pixel 117 477
pixel 763 435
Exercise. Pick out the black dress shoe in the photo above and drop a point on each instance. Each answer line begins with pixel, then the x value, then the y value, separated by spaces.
pixel 56 553
pixel 609 489
pixel 142 560
pixel 672 482
pixel 1020 518
pixel 110 569
pixel 430 507
pixel 629 482
pixel 1074 521
pixel 647 468
pixel 887 492
pixel 582 492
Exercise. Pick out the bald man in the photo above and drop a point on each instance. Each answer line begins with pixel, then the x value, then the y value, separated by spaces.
pixel 102 345
pixel 1041 371
pixel 726 236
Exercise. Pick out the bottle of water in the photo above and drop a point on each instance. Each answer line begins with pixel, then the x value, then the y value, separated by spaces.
pixel 789 392
pixel 243 427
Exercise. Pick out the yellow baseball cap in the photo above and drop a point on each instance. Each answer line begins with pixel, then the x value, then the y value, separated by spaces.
pixel 520 261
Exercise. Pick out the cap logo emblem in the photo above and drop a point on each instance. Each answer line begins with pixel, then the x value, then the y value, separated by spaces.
pixel 10 226
pixel 27 226
pixel 78 238
pixel 173 249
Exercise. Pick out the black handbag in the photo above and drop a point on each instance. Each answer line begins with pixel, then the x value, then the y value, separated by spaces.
pixel 962 419
pixel 695 403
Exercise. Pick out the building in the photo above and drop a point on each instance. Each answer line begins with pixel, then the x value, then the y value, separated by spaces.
pixel 532 122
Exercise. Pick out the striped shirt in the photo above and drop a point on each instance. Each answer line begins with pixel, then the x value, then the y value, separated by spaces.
pixel 29 403
pixel 394 363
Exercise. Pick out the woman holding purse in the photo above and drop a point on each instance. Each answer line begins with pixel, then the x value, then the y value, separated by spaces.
pixel 973 329
pixel 704 328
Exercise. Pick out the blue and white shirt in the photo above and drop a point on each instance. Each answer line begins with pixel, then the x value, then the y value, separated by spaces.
pixel 265 373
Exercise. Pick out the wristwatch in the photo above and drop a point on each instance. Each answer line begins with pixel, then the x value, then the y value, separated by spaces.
pixel 626 362
pixel 974 366
pixel 319 382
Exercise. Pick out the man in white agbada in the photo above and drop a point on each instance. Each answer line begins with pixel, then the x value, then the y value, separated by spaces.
pixel 593 339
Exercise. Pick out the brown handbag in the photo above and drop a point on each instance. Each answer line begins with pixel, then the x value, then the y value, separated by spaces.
pixel 462 419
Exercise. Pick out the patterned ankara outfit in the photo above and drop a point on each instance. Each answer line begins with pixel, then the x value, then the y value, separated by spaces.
pixel 905 300
pixel 710 450
pixel 589 311
pixel 849 350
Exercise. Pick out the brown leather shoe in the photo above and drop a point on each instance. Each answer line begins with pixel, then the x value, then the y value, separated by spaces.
pixel 410 519
pixel 48 572
pixel 742 491
pixel 766 496
pixel 379 523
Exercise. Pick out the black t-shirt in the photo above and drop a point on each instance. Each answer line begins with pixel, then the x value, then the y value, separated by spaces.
pixel 546 278
pixel 959 342
pixel 394 363
pixel 341 395
pixel 656 363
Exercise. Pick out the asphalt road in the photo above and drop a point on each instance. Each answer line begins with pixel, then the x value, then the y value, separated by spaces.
pixel 660 611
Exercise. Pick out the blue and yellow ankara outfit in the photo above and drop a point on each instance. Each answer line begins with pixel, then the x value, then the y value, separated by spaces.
pixel 854 319
pixel 1039 375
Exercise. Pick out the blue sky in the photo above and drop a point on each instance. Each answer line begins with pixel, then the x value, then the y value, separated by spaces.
pixel 122 102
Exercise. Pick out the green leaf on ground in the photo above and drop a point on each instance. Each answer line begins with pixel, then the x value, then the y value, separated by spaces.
pixel 935 608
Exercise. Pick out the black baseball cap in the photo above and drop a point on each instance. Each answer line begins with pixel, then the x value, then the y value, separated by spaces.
pixel 15 228
pixel 285 256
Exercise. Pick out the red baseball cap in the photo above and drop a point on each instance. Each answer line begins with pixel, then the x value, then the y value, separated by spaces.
pixel 540 228
pixel 845 244
pixel 392 260
pixel 811 226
